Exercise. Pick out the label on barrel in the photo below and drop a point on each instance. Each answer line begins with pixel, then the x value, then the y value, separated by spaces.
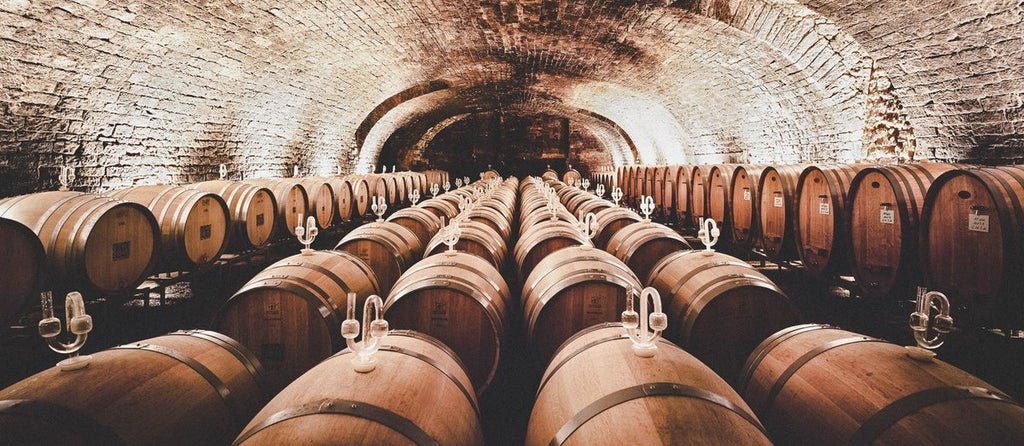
pixel 778 202
pixel 978 223
pixel 121 250
pixel 823 208
pixel 259 220
pixel 594 311
pixel 888 217
pixel 746 194
pixel 439 313
pixel 205 232
pixel 272 311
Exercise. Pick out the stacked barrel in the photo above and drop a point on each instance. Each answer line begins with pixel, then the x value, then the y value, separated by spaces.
pixel 573 295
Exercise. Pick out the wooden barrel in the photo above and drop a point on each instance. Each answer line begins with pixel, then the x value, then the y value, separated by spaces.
pixel 572 176
pixel 570 290
pixel 420 221
pixel 814 384
pixel 437 177
pixel 820 214
pixel 321 201
pixel 542 239
pixel 643 245
pixel 542 215
pixel 493 218
pixel 681 211
pixel 477 239
pixel 461 300
pixel 657 191
pixel 361 194
pixel 490 174
pixel 745 228
pixel 972 242
pixel 647 182
pixel 290 313
pixel 573 203
pixel 596 391
pixel 292 201
pixel 699 193
pixel 193 224
pixel 91 241
pixel 189 387
pixel 592 206
pixel 343 204
pixel 668 191
pixel 22 268
pixel 417 394
pixel 396 188
pixel 719 205
pixel 610 221
pixel 885 205
pixel 720 307
pixel 777 192
pixel 388 248
pixel 252 210
pixel 443 209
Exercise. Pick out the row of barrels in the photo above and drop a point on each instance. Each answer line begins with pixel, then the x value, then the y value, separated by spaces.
pixel 739 323
pixel 953 228
pixel 594 389
pixel 290 313
pixel 110 243
pixel 449 311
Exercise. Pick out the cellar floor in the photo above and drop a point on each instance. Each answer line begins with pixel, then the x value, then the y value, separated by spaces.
pixel 506 405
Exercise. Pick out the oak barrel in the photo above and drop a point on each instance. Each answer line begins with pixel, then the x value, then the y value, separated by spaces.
pixel 719 205
pixel 570 290
pixel 193 224
pixel 420 221
pixel 972 242
pixel 821 227
pixel 461 300
pixel 91 241
pixel 292 201
pixel 252 210
pixel 681 208
pixel 442 208
pixel 572 176
pixel 361 193
pixel 417 394
pixel 814 384
pixel 193 387
pixel 321 201
pixel 885 205
pixel 542 239
pixel 22 266
pixel 388 248
pixel 643 245
pixel 777 193
pixel 744 212
pixel 597 391
pixel 476 238
pixel 719 306
pixel 343 203
pixel 699 186
pixel 290 313
pixel 610 221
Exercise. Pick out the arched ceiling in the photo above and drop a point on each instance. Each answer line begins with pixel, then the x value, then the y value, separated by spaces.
pixel 126 89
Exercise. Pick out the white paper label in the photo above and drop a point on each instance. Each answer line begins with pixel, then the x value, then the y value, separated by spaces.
pixel 978 223
pixel 823 208
pixel 778 202
pixel 746 194
pixel 888 217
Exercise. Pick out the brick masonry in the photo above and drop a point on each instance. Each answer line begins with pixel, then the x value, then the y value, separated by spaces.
pixel 131 92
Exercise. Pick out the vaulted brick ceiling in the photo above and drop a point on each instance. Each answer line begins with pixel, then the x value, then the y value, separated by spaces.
pixel 126 90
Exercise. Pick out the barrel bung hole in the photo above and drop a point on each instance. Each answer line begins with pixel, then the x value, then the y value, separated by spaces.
pixel 875 185
pixel 817 180
pixel 963 195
